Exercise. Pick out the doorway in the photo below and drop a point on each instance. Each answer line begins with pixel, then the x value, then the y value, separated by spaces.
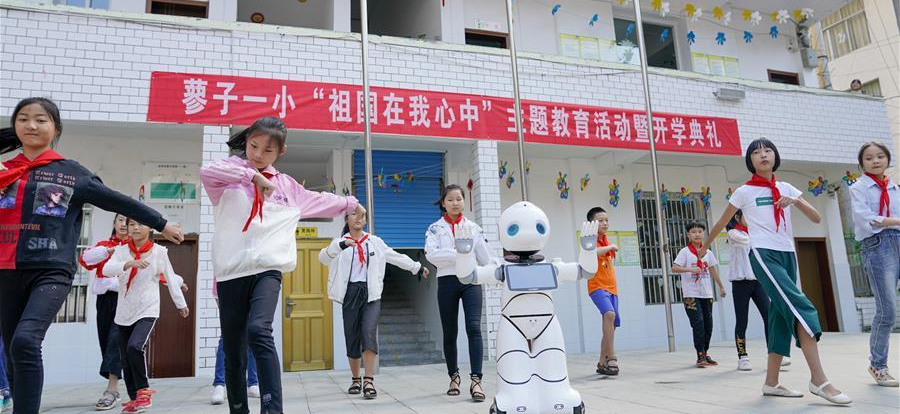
pixel 170 350
pixel 815 279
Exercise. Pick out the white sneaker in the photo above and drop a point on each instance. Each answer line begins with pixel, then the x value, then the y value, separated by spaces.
pixel 785 361
pixel 883 377
pixel 840 399
pixel 744 364
pixel 218 395
pixel 780 391
pixel 253 391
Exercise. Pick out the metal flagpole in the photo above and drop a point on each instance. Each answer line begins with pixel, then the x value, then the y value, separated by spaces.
pixel 517 101
pixel 660 220
pixel 367 127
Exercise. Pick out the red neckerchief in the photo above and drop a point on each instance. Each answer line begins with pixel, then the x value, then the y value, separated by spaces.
pixel 112 242
pixel 359 248
pixel 258 201
pixel 758 181
pixel 453 223
pixel 137 256
pixel 21 165
pixel 700 263
pixel 742 228
pixel 603 241
pixel 884 204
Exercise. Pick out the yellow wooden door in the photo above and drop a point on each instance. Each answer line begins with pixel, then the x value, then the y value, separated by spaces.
pixel 307 323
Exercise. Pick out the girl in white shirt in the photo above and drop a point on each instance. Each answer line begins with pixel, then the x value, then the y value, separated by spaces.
pixel 440 250
pixel 766 206
pixel 140 265
pixel 356 263
pixel 876 222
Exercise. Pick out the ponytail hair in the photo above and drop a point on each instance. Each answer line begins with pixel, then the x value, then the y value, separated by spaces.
pixel 268 125
pixel 735 220
pixel 9 141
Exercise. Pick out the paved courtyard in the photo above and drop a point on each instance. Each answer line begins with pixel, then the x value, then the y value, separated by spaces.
pixel 651 381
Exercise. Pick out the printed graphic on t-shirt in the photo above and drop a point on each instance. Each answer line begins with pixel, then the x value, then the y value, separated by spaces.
pixel 52 199
pixel 8 196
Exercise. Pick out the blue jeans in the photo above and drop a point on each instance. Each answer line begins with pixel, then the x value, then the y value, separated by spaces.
pixel 4 384
pixel 880 253
pixel 219 379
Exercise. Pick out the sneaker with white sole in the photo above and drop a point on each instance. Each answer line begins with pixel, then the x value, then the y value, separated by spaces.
pixel 785 361
pixel 744 364
pixel 840 399
pixel 218 395
pixel 780 391
pixel 883 377
pixel 253 391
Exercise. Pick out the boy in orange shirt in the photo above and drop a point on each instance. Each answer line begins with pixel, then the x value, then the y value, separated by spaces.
pixel 602 290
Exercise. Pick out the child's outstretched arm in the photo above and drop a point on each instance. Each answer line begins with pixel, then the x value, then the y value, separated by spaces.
pixel 400 260
pixel 174 284
pixel 714 272
pixel 315 204
pixel 219 175
pixel 715 230
pixel 807 209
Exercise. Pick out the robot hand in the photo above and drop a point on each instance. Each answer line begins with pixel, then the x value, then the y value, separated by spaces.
pixel 465 258
pixel 587 257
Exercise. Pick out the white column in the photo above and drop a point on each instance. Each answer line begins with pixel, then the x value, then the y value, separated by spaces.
pixel 486 197
pixel 207 329
pixel 845 303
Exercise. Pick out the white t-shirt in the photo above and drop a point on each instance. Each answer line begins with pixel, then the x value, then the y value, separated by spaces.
pixel 359 271
pixel 696 285
pixel 759 212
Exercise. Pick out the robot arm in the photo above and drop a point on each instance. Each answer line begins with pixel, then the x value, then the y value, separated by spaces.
pixel 467 269
pixel 587 256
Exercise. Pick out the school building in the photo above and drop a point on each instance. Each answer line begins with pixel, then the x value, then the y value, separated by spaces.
pixel 149 90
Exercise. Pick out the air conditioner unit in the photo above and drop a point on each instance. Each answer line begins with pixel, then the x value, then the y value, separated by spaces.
pixel 809 57
pixel 726 94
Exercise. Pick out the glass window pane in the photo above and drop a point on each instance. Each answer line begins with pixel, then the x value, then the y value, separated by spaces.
pixel 858 30
pixel 100 4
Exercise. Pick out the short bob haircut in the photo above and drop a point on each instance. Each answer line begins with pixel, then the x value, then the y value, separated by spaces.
pixel 757 144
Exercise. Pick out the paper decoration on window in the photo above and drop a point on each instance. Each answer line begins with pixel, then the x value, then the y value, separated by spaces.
pixel 706 196
pixel 664 8
pixel 555 9
pixel 817 186
pixel 629 30
pixel 345 191
pixel 697 14
pixel 562 186
pixel 773 31
pixel 690 9
pixel 729 193
pixel 782 16
pixel 726 19
pixel 807 13
pixel 755 18
pixel 747 14
pixel 470 185
pixel 748 37
pixel 614 187
pixel 503 165
pixel 685 195
pixel 664 35
pixel 663 195
pixel 510 179
pixel 379 179
pixel 527 167
pixel 623 2
pixel 594 19
pixel 141 195
pixel 636 191
pixel 720 38
pixel 585 181
pixel 850 178
pixel 410 177
pixel 331 186
pixel 718 13
pixel 656 5
pixel 691 37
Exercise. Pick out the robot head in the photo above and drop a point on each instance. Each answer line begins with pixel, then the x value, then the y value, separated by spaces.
pixel 524 228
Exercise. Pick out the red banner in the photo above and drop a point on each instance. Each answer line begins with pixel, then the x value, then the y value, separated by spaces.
pixel 234 100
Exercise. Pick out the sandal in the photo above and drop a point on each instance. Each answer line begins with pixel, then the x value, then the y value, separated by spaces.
pixel 606 369
pixel 612 365
pixel 475 389
pixel 454 384
pixel 107 401
pixel 369 390
pixel 355 386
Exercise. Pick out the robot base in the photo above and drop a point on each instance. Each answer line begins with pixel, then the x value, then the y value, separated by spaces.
pixel 577 410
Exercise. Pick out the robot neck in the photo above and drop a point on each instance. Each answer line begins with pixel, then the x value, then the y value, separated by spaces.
pixel 524 257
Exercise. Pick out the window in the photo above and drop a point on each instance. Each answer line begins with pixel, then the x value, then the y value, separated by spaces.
pixel 187 8
pixel 486 38
pixel 789 78
pixel 846 30
pixel 94 4
pixel 74 309
pixel 660 53
pixel 872 88
pixel 678 215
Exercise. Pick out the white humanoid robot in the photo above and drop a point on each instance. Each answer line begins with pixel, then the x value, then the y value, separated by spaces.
pixel 531 355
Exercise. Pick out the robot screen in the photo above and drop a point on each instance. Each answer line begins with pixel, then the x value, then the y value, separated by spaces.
pixel 540 276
